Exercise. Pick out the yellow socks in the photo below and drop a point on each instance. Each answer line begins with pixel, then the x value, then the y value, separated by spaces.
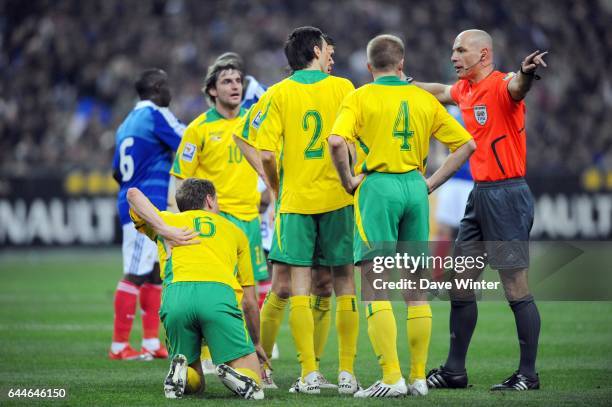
pixel 249 373
pixel 347 326
pixel 194 381
pixel 419 335
pixel 205 353
pixel 383 335
pixel 302 329
pixel 271 316
pixel 321 316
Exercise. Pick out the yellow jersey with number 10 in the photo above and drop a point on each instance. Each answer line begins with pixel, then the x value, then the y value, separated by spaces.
pixel 208 151
pixel 298 118
pixel 391 122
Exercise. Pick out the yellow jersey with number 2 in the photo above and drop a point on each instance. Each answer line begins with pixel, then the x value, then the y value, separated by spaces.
pixel 298 119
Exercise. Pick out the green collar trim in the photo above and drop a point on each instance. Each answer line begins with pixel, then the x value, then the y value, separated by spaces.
pixel 308 76
pixel 212 115
pixel 390 80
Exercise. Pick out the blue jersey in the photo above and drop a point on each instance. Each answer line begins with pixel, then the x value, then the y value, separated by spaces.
pixel 464 171
pixel 145 144
pixel 253 92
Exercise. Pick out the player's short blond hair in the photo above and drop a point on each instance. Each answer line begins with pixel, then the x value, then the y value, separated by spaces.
pixel 385 52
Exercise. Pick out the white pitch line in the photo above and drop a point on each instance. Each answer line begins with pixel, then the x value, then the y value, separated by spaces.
pixel 55 327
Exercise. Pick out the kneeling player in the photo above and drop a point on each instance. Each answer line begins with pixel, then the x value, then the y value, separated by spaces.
pixel 201 293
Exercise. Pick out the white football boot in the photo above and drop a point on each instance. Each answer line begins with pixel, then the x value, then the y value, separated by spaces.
pixel 418 388
pixel 381 389
pixel 266 378
pixel 347 383
pixel 208 367
pixel 174 385
pixel 310 384
pixel 240 384
pixel 275 352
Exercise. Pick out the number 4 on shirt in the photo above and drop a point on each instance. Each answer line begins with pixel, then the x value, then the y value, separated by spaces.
pixel 401 128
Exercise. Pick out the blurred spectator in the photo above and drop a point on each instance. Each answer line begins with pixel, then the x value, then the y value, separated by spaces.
pixel 68 65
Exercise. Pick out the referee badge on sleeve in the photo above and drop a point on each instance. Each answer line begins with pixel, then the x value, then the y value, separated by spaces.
pixel 188 152
pixel 480 114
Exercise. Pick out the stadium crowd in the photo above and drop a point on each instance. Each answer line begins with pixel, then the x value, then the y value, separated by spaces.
pixel 68 66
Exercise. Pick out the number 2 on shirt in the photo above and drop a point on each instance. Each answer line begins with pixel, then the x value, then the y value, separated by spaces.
pixel 401 128
pixel 311 152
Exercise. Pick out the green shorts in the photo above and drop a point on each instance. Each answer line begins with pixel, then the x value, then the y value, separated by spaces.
pixel 389 208
pixel 252 229
pixel 196 311
pixel 324 239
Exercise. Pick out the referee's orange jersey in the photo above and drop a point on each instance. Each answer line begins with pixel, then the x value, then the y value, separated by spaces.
pixel 497 123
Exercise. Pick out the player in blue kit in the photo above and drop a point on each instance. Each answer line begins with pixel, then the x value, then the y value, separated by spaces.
pixel 144 148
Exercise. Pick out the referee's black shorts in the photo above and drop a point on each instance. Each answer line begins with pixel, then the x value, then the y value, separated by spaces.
pixel 499 214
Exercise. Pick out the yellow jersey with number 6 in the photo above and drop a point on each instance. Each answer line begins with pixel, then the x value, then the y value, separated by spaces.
pixel 298 118
pixel 208 151
pixel 222 256
pixel 391 122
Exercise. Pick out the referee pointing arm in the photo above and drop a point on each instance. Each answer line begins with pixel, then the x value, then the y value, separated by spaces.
pixel 500 207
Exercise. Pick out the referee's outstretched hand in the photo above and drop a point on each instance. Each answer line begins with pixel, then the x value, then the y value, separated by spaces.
pixel 532 61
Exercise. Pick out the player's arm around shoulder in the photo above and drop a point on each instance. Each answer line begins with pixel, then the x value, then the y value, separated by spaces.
pixel 144 212
pixel 440 91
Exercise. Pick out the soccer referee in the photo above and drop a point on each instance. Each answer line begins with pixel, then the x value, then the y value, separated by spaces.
pixel 500 207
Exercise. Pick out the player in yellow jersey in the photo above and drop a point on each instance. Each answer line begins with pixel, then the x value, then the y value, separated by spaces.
pixel 273 308
pixel 392 121
pixel 314 214
pixel 202 290
pixel 208 151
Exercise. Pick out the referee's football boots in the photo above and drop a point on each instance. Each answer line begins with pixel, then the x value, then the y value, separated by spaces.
pixel 518 382
pixel 441 378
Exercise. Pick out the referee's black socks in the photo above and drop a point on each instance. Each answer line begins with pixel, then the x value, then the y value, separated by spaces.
pixel 463 317
pixel 527 319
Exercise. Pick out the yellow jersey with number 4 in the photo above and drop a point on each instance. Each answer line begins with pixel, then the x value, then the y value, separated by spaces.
pixel 391 121
pixel 222 256
pixel 298 118
pixel 208 151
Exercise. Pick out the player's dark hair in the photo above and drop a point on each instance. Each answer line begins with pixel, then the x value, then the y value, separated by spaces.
pixel 385 52
pixel 192 194
pixel 145 84
pixel 299 47
pixel 229 60
pixel 329 40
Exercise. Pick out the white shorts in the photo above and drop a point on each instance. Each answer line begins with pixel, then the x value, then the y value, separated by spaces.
pixel 139 252
pixel 452 199
pixel 267 228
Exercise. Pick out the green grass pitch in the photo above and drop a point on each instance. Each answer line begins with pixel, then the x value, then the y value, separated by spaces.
pixel 56 325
